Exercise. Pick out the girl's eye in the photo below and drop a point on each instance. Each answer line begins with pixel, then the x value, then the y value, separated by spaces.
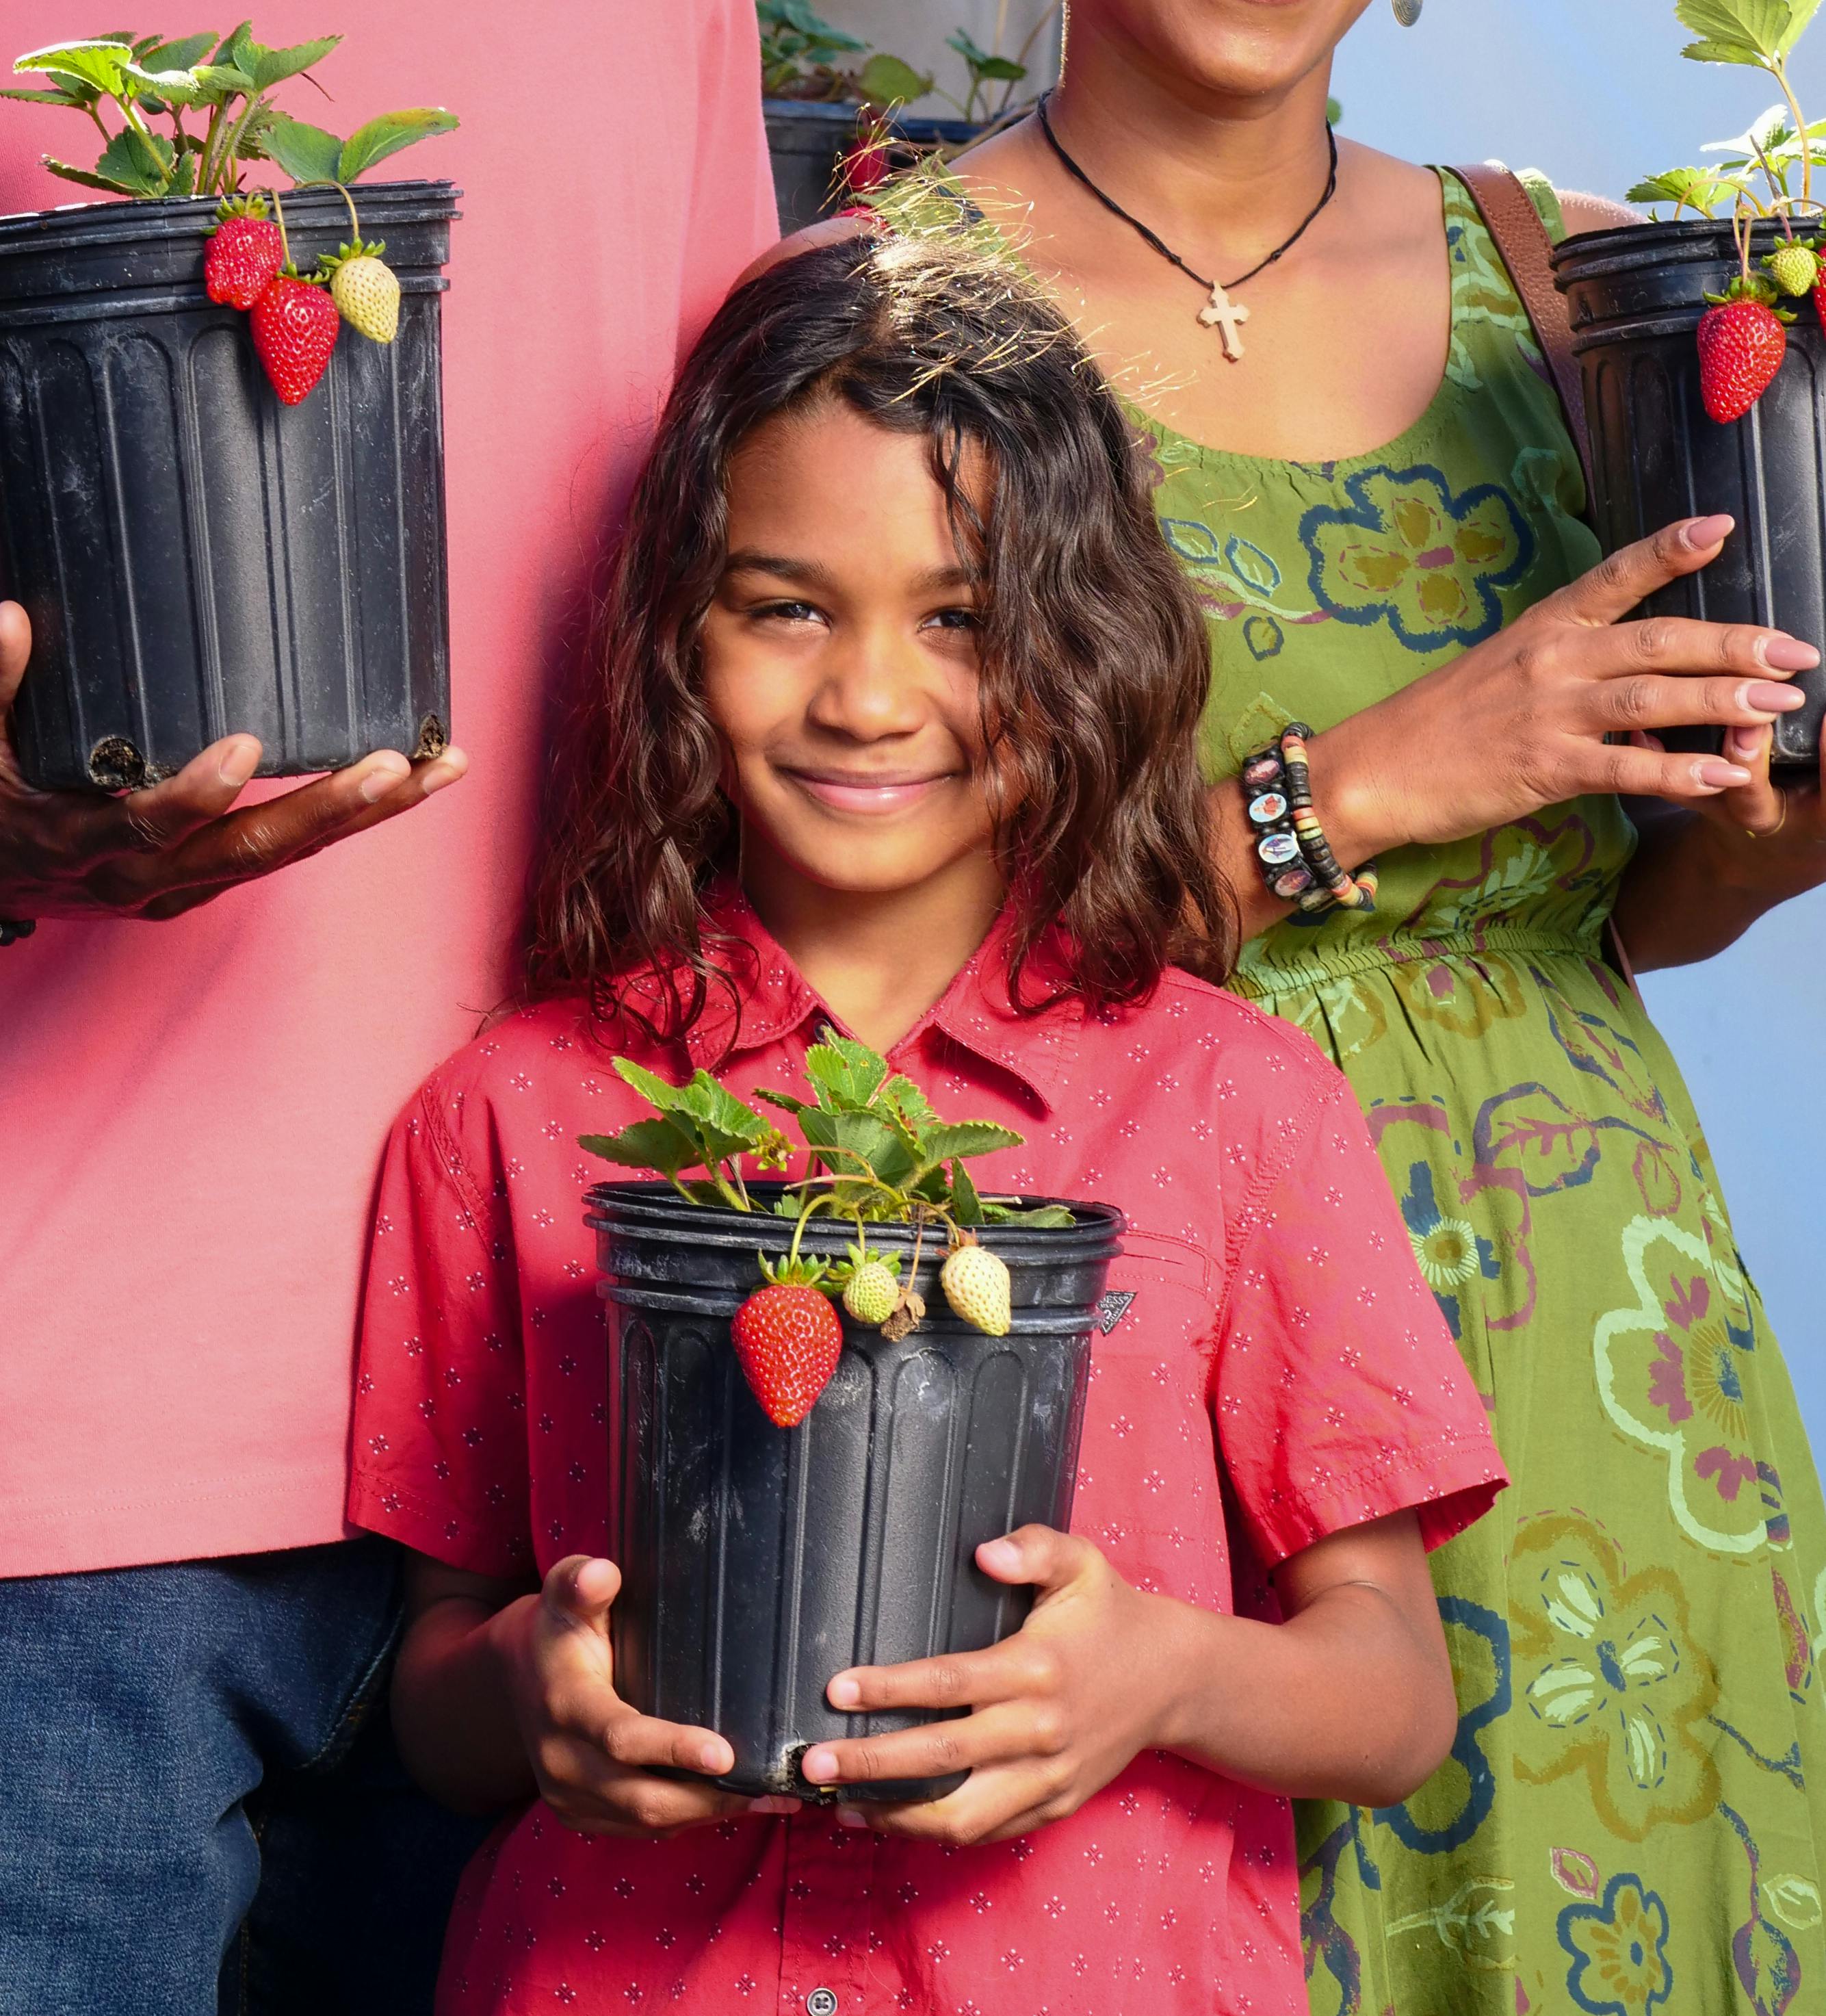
pixel 955 619
pixel 787 612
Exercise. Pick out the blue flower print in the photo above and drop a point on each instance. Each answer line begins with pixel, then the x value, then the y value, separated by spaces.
pixel 1410 553
pixel 1450 1252
pixel 1618 1946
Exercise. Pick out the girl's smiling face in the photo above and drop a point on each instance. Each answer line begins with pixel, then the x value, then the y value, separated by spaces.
pixel 840 668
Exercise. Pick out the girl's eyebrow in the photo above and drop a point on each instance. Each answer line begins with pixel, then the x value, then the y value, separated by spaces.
pixel 747 559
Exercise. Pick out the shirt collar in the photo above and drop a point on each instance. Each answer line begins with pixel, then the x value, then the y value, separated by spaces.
pixel 773 1000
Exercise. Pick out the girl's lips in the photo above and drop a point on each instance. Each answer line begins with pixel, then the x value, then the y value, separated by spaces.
pixel 865 794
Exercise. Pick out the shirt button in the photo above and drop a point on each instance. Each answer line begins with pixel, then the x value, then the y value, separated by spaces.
pixel 820 2002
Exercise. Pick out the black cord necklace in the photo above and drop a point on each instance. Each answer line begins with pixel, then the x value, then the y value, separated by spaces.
pixel 1220 312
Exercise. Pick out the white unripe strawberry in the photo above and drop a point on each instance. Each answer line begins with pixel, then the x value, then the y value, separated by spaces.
pixel 872 1293
pixel 365 291
pixel 976 1282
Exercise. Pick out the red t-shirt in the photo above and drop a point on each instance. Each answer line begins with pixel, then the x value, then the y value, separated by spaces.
pixel 192 1114
pixel 1276 1311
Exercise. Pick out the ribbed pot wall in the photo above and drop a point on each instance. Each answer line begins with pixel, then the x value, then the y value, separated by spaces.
pixel 1636 297
pixel 759 1561
pixel 197 559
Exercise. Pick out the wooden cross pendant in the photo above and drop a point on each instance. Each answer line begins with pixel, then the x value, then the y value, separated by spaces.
pixel 1223 315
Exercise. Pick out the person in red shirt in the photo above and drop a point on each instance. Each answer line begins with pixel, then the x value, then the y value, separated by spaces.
pixel 896 733
pixel 230 989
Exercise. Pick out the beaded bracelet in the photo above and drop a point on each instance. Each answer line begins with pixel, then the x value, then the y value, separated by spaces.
pixel 1298 865
pixel 1348 891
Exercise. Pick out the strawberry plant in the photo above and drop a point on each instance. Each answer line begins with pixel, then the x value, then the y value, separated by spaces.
pixel 874 1152
pixel 215 95
pixel 1764 173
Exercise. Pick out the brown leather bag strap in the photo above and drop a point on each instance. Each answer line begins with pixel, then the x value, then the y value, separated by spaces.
pixel 1520 236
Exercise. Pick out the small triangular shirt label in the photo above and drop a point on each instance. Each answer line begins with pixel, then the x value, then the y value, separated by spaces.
pixel 1111 1307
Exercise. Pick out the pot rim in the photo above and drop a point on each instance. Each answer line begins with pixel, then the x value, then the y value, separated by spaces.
pixel 1627 247
pixel 130 220
pixel 656 1211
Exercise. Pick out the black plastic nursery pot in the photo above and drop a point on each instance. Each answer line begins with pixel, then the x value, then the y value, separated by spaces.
pixel 1636 297
pixel 759 1561
pixel 197 559
pixel 806 139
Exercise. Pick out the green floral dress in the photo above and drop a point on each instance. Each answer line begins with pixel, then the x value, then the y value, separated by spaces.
pixel 1626 1823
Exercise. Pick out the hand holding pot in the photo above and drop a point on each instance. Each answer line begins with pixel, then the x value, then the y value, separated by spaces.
pixel 1058 1709
pixel 157 852
pixel 594 1756
pixel 1520 721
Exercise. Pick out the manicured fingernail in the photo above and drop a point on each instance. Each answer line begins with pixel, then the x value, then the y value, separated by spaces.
pixel 1697 533
pixel 843 1692
pixel 239 764
pixel 384 776
pixel 1767 697
pixel 848 1816
pixel 1741 743
pixel 1716 775
pixel 1787 654
pixel 818 1764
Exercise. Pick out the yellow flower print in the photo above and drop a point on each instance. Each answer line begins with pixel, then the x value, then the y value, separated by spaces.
pixel 1464 995
pixel 1609 1679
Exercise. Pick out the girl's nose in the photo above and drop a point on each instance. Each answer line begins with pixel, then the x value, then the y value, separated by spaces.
pixel 870 690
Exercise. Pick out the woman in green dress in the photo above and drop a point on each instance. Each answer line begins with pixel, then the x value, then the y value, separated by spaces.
pixel 1380 505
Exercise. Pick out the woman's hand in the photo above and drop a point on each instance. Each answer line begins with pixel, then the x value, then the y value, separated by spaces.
pixel 1057 1710
pixel 1520 721
pixel 593 1756
pixel 157 852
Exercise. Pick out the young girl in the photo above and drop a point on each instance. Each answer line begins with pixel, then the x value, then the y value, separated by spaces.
pixel 896 731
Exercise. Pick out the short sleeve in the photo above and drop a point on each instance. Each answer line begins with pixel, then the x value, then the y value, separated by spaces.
pixel 440 1453
pixel 1338 1393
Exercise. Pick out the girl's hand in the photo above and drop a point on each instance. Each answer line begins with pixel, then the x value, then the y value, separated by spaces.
pixel 1057 1710
pixel 592 1755
pixel 1768 837
pixel 1520 721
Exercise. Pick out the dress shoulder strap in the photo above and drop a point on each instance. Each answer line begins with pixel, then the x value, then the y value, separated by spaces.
pixel 1521 238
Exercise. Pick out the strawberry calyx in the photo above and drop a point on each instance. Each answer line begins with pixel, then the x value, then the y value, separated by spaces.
pixel 329 262
pixel 1756 289
pixel 796 1270
pixel 253 207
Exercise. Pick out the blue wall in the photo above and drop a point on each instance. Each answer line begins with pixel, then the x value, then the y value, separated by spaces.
pixel 1595 93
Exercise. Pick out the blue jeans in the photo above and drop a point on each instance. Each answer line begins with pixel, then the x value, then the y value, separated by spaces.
pixel 200 1811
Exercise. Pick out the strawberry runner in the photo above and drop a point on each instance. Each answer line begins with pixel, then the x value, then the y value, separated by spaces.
pixel 1266 1305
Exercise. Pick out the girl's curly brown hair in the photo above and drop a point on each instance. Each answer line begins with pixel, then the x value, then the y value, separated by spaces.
pixel 1094 662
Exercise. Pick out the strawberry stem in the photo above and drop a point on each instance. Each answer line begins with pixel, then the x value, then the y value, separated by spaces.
pixel 284 243
pixel 354 221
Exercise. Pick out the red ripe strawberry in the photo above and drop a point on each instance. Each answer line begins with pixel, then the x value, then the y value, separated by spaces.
pixel 789 1339
pixel 1742 340
pixel 295 327
pixel 866 166
pixel 244 253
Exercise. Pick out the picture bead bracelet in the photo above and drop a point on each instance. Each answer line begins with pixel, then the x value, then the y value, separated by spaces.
pixel 1297 862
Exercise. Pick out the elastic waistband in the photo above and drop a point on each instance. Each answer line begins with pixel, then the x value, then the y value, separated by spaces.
pixel 1341 962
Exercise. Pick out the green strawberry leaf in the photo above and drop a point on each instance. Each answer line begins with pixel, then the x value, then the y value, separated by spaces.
pixel 166 88
pixel 658 1144
pixel 707 1102
pixel 945 1143
pixel 387 134
pixel 906 1102
pixel 996 1212
pixel 845 1074
pixel 850 1138
pixel 183 180
pixel 141 162
pixel 1755 32
pixel 272 66
pixel 183 54
pixel 966 1206
pixel 39 97
pixel 886 79
pixel 225 78
pixel 1801 13
pixel 84 176
pixel 654 1090
pixel 92 68
pixel 307 153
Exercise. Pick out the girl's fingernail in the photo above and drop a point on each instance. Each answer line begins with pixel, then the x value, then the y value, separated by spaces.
pixel 1787 654
pixel 844 1692
pixel 384 776
pixel 1741 743
pixel 711 1758
pixel 239 764
pixel 1717 775
pixel 1697 533
pixel 1766 697
pixel 848 1816
pixel 817 1765
pixel 774 1805
pixel 436 777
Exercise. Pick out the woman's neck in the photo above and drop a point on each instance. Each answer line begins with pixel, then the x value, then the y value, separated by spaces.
pixel 878 961
pixel 1212 168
